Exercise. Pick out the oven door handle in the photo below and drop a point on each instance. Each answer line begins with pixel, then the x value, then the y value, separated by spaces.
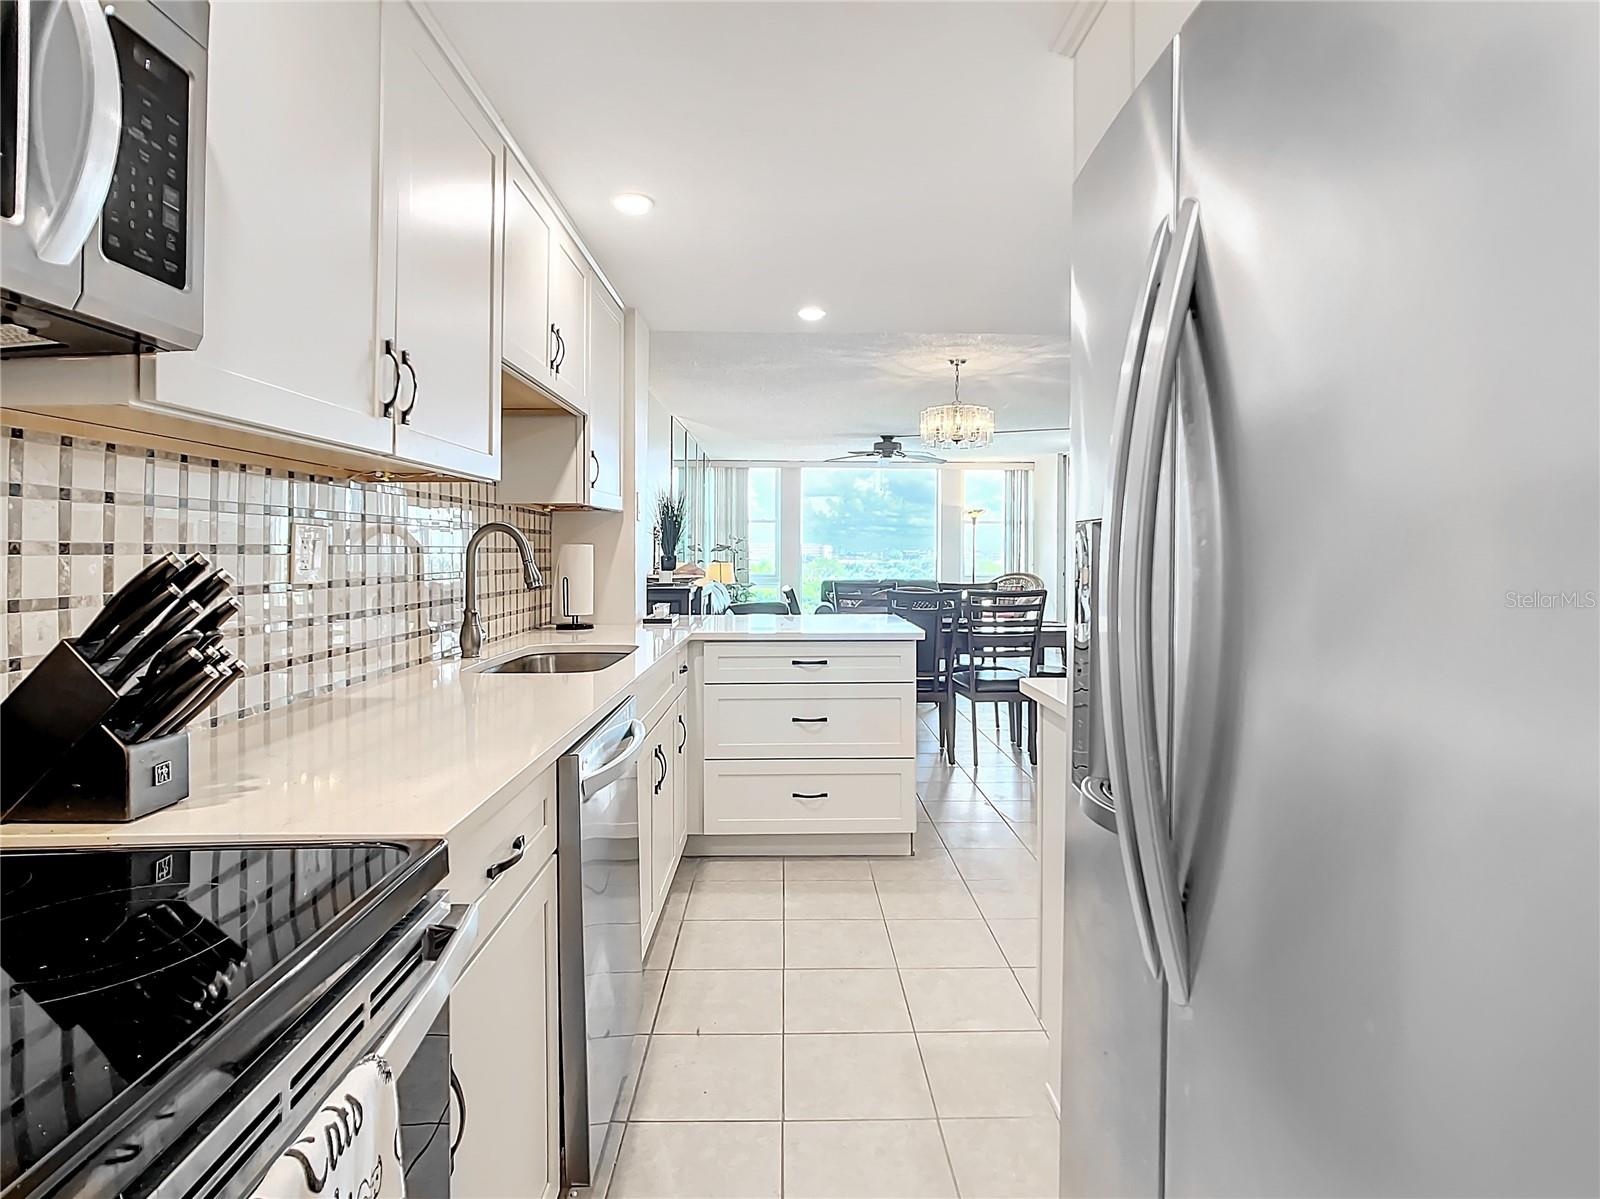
pixel 453 939
pixel 60 221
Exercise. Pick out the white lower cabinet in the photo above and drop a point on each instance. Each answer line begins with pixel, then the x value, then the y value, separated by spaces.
pixel 815 796
pixel 505 1050
pixel 680 777
pixel 663 800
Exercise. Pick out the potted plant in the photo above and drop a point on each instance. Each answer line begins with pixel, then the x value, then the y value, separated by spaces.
pixel 670 511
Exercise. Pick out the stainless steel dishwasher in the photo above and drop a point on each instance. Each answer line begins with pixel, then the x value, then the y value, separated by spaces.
pixel 599 940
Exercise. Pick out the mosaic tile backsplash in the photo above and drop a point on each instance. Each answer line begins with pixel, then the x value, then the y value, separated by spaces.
pixel 82 516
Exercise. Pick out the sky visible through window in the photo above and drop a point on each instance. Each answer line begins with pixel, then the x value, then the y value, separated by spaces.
pixel 866 523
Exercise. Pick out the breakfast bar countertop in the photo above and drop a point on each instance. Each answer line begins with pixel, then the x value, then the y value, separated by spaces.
pixel 413 753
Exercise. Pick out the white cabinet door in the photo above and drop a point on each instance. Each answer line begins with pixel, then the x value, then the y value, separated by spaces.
pixel 527 340
pixel 605 396
pixel 504 1048
pixel 569 310
pixel 440 292
pixel 680 776
pixel 660 750
pixel 291 249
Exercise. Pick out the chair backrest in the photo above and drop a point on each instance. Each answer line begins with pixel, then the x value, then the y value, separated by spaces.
pixel 792 600
pixel 857 595
pixel 759 608
pixel 1002 628
pixel 934 612
pixel 1017 580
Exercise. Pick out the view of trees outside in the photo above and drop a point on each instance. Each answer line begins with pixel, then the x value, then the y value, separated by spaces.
pixel 762 547
pixel 985 489
pixel 866 523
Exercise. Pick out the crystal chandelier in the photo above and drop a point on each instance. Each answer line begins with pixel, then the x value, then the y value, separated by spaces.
pixel 957 426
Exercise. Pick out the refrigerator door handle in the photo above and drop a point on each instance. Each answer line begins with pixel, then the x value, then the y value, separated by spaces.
pixel 1110 584
pixel 1147 800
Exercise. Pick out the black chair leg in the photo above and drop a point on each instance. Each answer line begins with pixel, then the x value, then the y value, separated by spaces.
pixel 1033 733
pixel 973 700
pixel 1015 720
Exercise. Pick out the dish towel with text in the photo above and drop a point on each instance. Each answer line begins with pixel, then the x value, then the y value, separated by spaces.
pixel 351 1148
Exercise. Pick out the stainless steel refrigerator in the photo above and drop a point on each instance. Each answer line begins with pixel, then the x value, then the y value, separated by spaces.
pixel 1333 914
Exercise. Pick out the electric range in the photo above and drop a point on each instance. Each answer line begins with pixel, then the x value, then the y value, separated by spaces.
pixel 144 987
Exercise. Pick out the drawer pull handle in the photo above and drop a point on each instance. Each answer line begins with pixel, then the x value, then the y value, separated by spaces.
pixel 808 720
pixel 518 848
pixel 808 661
pixel 809 794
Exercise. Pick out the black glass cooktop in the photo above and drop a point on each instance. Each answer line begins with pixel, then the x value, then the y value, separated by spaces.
pixel 119 965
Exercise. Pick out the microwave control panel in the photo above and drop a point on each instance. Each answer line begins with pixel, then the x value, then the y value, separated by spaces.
pixel 145 222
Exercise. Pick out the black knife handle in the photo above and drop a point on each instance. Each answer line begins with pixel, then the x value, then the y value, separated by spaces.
pixel 174 622
pixel 130 596
pixel 131 626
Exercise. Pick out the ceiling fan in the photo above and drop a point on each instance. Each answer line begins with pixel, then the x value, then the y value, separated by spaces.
pixel 886 449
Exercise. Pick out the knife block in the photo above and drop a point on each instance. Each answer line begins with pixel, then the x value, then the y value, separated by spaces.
pixel 60 763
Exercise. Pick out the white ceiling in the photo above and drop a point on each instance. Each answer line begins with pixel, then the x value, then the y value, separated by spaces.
pixel 804 397
pixel 906 166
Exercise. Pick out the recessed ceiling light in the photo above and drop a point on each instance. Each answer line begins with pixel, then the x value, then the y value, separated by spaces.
pixel 632 203
pixel 811 313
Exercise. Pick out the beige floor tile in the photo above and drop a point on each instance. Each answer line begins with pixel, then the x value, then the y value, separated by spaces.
pixel 674 906
pixel 844 1001
pixel 926 840
pixel 973 836
pixel 926 899
pixel 1028 833
pixel 1006 898
pixel 655 982
pixel 962 811
pixel 797 870
pixel 665 940
pixel 1005 1159
pixel 741 870
pixel 865 1159
pixel 935 864
pixel 735 901
pixel 1016 789
pixel 1019 940
pixel 699 1161
pixel 944 944
pixel 987 1073
pixel 730 945
pixel 848 899
pixel 711 1078
pixel 836 945
pixel 722 1001
pixel 1028 980
pixel 949 790
pixel 1015 809
pixel 1014 862
pixel 967 1001
pixel 854 1076
pixel 998 769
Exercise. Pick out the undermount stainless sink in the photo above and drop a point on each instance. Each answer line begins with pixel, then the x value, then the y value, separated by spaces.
pixel 559 661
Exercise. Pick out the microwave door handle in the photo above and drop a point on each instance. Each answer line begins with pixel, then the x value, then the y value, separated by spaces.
pixel 16 203
pixel 1110 583
pixel 67 213
pixel 1148 801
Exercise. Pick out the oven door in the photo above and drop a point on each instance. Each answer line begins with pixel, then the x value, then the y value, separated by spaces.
pixel 393 1010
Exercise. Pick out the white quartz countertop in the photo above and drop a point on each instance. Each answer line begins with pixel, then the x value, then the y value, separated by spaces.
pixel 1052 691
pixel 414 753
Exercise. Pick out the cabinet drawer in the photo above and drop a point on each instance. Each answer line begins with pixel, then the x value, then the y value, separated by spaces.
pixel 810 661
pixel 652 691
pixel 487 838
pixel 816 720
pixel 810 797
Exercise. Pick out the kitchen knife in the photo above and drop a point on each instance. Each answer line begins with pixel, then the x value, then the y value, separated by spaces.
pixel 210 589
pixel 194 568
pixel 174 621
pixel 132 707
pixel 131 596
pixel 200 702
pixel 131 626
pixel 163 707
pixel 219 616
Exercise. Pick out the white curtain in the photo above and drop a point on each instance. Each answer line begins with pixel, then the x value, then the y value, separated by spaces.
pixel 1019 520
pixel 730 514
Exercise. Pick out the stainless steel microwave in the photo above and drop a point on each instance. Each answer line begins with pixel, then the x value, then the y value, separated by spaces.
pixel 102 176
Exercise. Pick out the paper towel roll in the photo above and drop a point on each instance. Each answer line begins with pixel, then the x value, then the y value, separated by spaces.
pixel 575 580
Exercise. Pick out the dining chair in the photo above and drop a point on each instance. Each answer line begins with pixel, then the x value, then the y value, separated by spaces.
pixel 995 646
pixel 759 608
pixel 1017 580
pixel 791 599
pixel 934 612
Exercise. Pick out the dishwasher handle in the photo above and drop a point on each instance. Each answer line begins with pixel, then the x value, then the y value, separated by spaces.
pixel 630 746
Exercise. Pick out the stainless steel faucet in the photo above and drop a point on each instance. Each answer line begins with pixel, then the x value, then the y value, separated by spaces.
pixel 471 623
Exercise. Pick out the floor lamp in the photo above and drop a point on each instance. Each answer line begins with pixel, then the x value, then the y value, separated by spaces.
pixel 972 515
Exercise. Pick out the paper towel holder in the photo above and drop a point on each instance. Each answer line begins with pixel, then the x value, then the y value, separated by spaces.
pixel 575 570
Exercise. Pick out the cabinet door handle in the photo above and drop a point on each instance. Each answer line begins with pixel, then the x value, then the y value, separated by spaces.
pixel 595 458
pixel 808 720
pixel 683 727
pixel 394 393
pixel 460 1093
pixel 661 758
pixel 555 346
pixel 518 848
pixel 808 661
pixel 808 794
pixel 405 361
pixel 684 669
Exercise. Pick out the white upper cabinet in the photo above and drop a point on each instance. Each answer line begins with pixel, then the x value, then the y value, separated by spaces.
pixel 291 241
pixel 528 346
pixel 605 399
pixel 569 310
pixel 439 285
